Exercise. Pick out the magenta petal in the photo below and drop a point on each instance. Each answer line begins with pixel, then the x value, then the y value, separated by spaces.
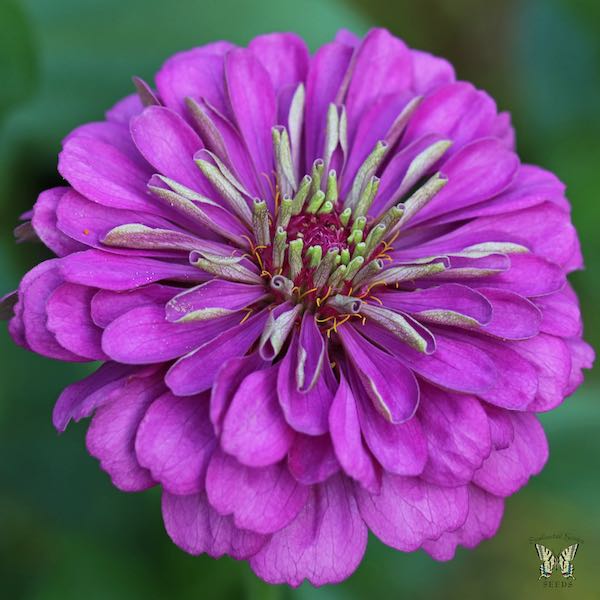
pixel 311 354
pixel 408 511
pixel 324 544
pixel 228 379
pixel 119 273
pixel 197 73
pixel 373 126
pixel 503 130
pixel 196 372
pixel 529 275
pixel 447 297
pixel 560 313
pixel 505 471
pixel 326 73
pixel 44 222
pixel 111 434
pixel 545 229
pixel 197 528
pixel 502 432
pixel 475 173
pixel 430 72
pixel 252 99
pixel 454 365
pixel 391 386
pixel 381 65
pixel 393 185
pixel 175 441
pixel 513 317
pixel 582 357
pixel 254 430
pixel 264 499
pixel 483 520
pixel 168 143
pixel 398 448
pixel 311 459
pixel 124 109
pixel 80 399
pixel 284 56
pixel 348 38
pixel 517 381
pixel 70 320
pixel 212 299
pixel 551 358
pixel 108 305
pixel 107 172
pixel 35 289
pixel 530 187
pixel 143 335
pixel 458 436
pixel 304 411
pixel 456 110
pixel 88 222
pixel 346 437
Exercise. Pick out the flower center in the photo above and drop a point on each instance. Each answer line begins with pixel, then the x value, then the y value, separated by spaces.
pixel 325 230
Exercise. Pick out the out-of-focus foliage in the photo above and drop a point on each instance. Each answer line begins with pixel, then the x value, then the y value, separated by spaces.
pixel 65 532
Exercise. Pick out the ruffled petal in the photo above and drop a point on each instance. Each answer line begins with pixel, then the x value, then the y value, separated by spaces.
pixel 344 427
pixel 44 222
pixel 70 320
pixel 305 411
pixel 175 441
pixel 311 459
pixel 409 511
pixel 82 398
pixel 197 528
pixel 264 499
pixel 458 436
pixel 505 471
pixel 483 520
pixel 324 544
pixel 254 430
pixel 196 372
pixel 111 434
pixel 143 335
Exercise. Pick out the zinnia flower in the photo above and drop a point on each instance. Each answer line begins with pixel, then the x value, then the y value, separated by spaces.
pixel 327 298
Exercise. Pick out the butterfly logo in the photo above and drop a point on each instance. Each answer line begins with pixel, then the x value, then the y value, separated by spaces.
pixel 565 560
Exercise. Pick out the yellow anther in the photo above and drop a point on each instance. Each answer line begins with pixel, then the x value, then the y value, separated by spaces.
pixel 308 292
pixel 321 300
pixel 325 319
pixel 249 312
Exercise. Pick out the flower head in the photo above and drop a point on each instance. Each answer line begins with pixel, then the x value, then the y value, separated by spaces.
pixel 327 296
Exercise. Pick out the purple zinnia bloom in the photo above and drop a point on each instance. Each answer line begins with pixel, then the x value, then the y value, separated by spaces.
pixel 327 297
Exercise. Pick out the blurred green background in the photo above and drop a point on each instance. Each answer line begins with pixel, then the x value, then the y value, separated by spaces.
pixel 65 532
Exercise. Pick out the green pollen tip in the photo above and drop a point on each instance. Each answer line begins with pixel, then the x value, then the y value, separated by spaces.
pixel 314 255
pixel 315 202
pixel 355 237
pixel 354 267
pixel 301 194
pixel 317 175
pixel 359 250
pixel 345 216
pixel 326 208
pixel 295 257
